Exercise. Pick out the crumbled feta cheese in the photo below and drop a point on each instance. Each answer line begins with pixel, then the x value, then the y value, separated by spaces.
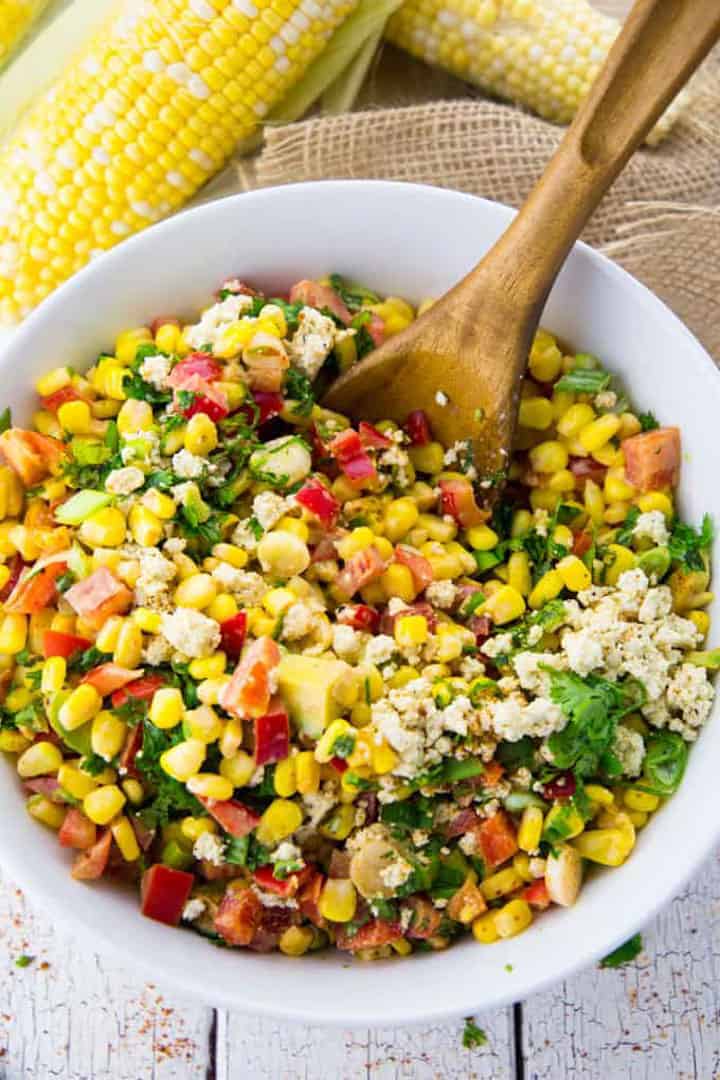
pixel 380 649
pixel 318 805
pixel 272 900
pixel 468 843
pixel 347 642
pixel 157 651
pixel 691 695
pixel 633 585
pixel 584 652
pixel 286 852
pixel 541 520
pixel 210 848
pixel 528 669
pixel 396 873
pixel 155 370
pixel 397 460
pixel 656 605
pixel 297 621
pixel 606 399
pixel 215 321
pixel 244 537
pixel 268 507
pixel 156 573
pixel 512 718
pixel 175 545
pixel 457 714
pixel 441 594
pixel 499 645
pixel 441 399
pixel 312 342
pixel 629 748
pixel 193 909
pixel 188 466
pixel 247 586
pixel 651 526
pixel 124 481
pixel 191 632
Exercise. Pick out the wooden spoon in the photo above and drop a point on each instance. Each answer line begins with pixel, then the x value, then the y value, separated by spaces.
pixel 473 343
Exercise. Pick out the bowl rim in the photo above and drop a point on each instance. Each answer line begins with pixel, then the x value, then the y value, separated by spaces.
pixel 28 873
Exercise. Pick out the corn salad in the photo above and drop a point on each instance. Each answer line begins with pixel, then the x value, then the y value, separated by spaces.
pixel 300 680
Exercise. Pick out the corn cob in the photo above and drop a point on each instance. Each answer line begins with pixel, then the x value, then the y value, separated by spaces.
pixel 16 18
pixel 543 54
pixel 149 110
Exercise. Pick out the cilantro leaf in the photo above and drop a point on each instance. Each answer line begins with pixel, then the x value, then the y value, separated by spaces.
pixel 473 1036
pixel 82 662
pixel 93 764
pixel 170 798
pixel 298 387
pixel 624 954
pixel 648 421
pixel 687 544
pixel 624 534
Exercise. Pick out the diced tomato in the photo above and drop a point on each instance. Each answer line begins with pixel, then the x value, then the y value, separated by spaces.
pixel 35 590
pixel 373 934
pixel 77 831
pixel 232 634
pixel 316 498
pixel 269 404
pixel 273 924
pixel 582 542
pixel 164 893
pixel 142 689
pixel 417 564
pixel 467 902
pixel 53 401
pixel 498 839
pixel 272 734
pixel 205 399
pixel 320 296
pixel 370 436
pixel 360 617
pixel 457 498
pixel 537 895
pixel 308 898
pixel 339 764
pixel 248 692
pixel 238 916
pixel 350 454
pixel 91 864
pixel 58 643
pixel 586 468
pixel 163 320
pixel 197 363
pixel 31 455
pixel 360 569
pixel 106 678
pixel 417 428
pixel 282 887
pixel 425 917
pixel 652 458
pixel 234 817
pixel 99 596
pixel 16 567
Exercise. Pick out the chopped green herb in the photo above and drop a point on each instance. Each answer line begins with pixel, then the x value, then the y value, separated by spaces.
pixel 664 764
pixel 584 380
pixel 93 764
pixel 625 532
pixel 687 544
pixel 624 954
pixel 247 851
pixel 647 421
pixel 24 961
pixel 298 387
pixel 473 1036
pixel 353 296
pixel 82 662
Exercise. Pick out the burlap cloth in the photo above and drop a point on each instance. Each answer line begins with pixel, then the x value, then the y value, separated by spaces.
pixel 661 221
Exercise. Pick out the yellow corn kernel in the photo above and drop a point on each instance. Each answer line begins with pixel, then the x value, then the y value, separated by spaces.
pixel 521 865
pixel 279 821
pixel 530 831
pixel 519 577
pixel 210 786
pixel 596 434
pixel 384 758
pixel 438 529
pixel 17 699
pixel 53 675
pixel 341 821
pixel 158 504
pixel 134 791
pixel 544 498
pixel 238 768
pixel 109 633
pixel 616 488
pixel 521 523
pixel 74 781
pixel 359 539
pixel 13 742
pixel 74 417
pixel 231 738
pixel 197 591
pixel 83 704
pixel 183 760
pixel 46 423
pixel 383 547
pixel 285 778
pixel 599 795
pixel 576 418
pixel 209 691
pixel 46 811
pixel 277 601
pixel 427 459
pixel 609 847
pixel 701 619
pixel 638 818
pixel 231 553
pixel 13 634
pixel 482 537
pixel 400 517
pixel 135 416
pixel 202 723
pixel 501 883
pixel 484 929
pixel 292 525
pixel 338 729
pixel 124 836
pixel 640 800
pixel 307 773
pixel 545 361
pixel 107 735
pixel 574 573
pixel 128 647
pixel 656 500
pixel 594 501
pixel 572 821
pixel 505 605
pixel 397 581
pixel 127 343
pixel 513 918
pixel 41 759
pixel 616 513
pixel 402 677
pixel 104 528
pixel 338 900
pixel 411 630
pixel 296 940
pixel 535 413
pixel 192 828
pixel 209 667
pixel 146 527
pixel 622 559
pixel 223 607
pixel 147 620
pixel 110 380
pixel 11 493
pixel 167 708
pixel 104 803
pixel 201 435
pixel 609 455
pixel 52 381
pixel 548 457
pixel 167 337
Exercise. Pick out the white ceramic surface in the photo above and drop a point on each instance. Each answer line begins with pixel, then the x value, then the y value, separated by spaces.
pixel 413 241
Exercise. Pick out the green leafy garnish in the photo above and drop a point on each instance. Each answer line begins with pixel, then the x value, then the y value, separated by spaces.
pixel 298 387
pixel 169 797
pixel 687 544
pixel 24 961
pixel 473 1036
pixel 162 479
pixel 625 532
pixel 353 296
pixel 547 618
pixel 93 764
pixel 624 954
pixel 647 421
pixel 343 746
pixel 81 662
pixel 247 851
pixel 413 813
pixel 664 764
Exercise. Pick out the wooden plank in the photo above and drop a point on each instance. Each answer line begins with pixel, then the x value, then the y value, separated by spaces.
pixel 265 1050
pixel 71 1016
pixel 657 1017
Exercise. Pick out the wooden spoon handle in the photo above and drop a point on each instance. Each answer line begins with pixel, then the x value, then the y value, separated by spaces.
pixel 659 47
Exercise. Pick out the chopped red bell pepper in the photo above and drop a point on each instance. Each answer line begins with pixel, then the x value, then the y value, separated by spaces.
pixel 586 468
pixel 142 689
pixel 33 456
pixel 417 428
pixel 498 839
pixel 232 634
pixel 652 458
pixel 77 831
pixel 164 893
pixel 131 749
pixel 417 564
pixel 352 457
pixel 316 498
pixel 370 436
pixel 58 643
pixel 375 327
pixel 309 898
pixel 360 617
pixel 201 403
pixel 582 542
pixel 239 916
pixel 235 818
pixel 197 363
pixel 269 404
pixel 457 498
pixel 537 895
pixel 272 734
pixel 282 886
pixel 339 764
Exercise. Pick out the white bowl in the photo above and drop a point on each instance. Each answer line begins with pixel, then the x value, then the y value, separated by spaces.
pixel 415 242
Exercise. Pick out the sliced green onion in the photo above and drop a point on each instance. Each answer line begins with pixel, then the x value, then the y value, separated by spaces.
pixel 584 381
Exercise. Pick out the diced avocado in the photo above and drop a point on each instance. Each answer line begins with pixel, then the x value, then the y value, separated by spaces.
pixel 306 684
pixel 81 506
